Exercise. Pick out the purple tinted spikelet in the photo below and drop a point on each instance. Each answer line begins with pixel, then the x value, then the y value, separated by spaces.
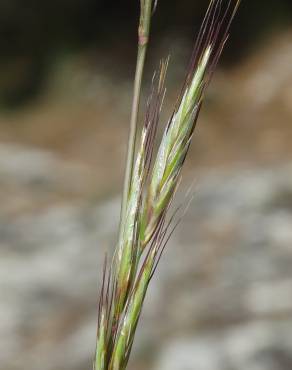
pixel 129 249
pixel 178 133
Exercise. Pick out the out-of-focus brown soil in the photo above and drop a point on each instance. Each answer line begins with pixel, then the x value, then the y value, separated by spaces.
pixel 247 117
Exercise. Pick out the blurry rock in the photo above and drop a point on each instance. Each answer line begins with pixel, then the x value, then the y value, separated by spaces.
pixel 253 346
pixel 221 298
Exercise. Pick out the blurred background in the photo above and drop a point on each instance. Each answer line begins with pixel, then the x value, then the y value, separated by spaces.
pixel 222 297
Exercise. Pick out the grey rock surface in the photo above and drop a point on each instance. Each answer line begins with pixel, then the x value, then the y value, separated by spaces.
pixel 260 345
pixel 222 296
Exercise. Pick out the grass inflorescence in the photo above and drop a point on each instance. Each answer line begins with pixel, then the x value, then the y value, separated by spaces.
pixel 151 183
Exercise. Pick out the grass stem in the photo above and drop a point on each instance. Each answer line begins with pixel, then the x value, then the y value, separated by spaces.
pixel 143 37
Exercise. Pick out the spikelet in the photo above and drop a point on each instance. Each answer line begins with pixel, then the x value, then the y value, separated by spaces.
pixel 128 251
pixel 178 134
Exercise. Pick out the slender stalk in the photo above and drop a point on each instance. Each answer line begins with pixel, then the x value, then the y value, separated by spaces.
pixel 143 37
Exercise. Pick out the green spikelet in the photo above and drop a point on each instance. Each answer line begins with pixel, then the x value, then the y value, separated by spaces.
pixel 172 151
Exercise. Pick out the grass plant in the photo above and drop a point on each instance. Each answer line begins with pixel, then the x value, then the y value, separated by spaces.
pixel 151 179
